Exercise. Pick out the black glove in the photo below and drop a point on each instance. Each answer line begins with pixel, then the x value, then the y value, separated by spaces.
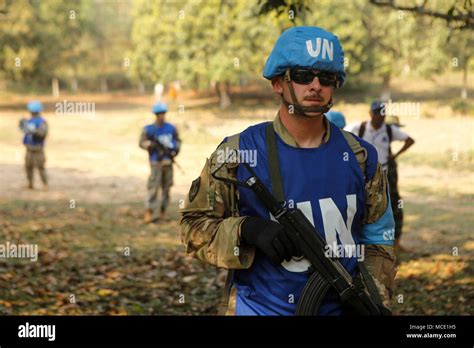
pixel 153 146
pixel 270 237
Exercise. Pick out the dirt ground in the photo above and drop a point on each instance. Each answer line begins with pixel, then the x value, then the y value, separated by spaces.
pixel 94 164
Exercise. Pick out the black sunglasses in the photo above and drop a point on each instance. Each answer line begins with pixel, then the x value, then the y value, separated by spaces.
pixel 305 77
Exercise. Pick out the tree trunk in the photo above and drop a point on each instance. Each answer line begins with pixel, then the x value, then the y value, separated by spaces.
pixel 103 85
pixel 464 81
pixel 55 87
pixel 222 89
pixel 141 87
pixel 385 95
pixel 74 84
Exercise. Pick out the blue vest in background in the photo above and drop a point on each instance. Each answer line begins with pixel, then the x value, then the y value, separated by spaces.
pixel 166 134
pixel 30 139
pixel 327 184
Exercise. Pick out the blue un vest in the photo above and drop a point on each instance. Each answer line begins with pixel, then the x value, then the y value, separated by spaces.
pixel 29 139
pixel 166 134
pixel 325 181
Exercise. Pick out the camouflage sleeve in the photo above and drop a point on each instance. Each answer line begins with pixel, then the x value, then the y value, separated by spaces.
pixel 378 231
pixel 144 143
pixel 380 262
pixel 376 192
pixel 210 225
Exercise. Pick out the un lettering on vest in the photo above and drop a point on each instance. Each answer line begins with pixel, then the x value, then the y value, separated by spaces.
pixel 333 223
pixel 327 49
pixel 165 139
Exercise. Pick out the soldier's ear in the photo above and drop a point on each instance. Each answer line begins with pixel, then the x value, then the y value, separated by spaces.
pixel 277 84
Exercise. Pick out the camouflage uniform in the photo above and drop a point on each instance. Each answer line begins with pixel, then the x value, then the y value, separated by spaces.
pixel 211 224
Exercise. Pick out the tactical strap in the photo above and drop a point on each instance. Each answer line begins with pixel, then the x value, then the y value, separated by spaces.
pixel 390 138
pixel 274 163
pixel 359 151
pixel 362 127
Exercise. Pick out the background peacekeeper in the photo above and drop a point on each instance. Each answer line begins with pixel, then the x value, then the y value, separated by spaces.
pixel 162 142
pixel 381 131
pixel 35 130
pixel 332 176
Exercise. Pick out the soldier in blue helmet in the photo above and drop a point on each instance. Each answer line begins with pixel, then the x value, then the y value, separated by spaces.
pixel 381 131
pixel 35 130
pixel 332 176
pixel 336 118
pixel 162 142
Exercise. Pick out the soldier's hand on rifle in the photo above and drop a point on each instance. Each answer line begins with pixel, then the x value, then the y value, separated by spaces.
pixel 270 237
pixel 153 146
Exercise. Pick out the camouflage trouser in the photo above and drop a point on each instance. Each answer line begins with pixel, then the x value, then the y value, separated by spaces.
pixel 161 176
pixel 35 159
pixel 392 176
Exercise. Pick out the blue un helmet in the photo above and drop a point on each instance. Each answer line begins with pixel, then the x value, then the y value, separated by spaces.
pixel 378 107
pixel 336 118
pixel 310 48
pixel 159 108
pixel 34 106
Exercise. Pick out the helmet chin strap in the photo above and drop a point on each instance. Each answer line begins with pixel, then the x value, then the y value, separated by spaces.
pixel 301 109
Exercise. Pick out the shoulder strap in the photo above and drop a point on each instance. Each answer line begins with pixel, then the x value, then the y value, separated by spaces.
pixel 363 125
pixel 390 138
pixel 389 132
pixel 277 185
pixel 359 151
pixel 274 163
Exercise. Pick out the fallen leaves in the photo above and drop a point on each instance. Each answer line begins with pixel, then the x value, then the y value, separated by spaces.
pixel 81 254
pixel 82 268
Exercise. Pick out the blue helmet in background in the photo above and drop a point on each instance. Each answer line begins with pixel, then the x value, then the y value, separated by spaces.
pixel 159 108
pixel 336 118
pixel 306 48
pixel 34 106
pixel 378 107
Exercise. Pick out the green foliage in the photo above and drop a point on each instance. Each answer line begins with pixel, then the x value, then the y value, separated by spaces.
pixel 205 42
pixel 199 42
pixel 64 39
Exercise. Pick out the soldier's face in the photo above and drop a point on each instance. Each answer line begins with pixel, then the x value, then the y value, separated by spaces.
pixel 160 118
pixel 313 94
pixel 377 119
